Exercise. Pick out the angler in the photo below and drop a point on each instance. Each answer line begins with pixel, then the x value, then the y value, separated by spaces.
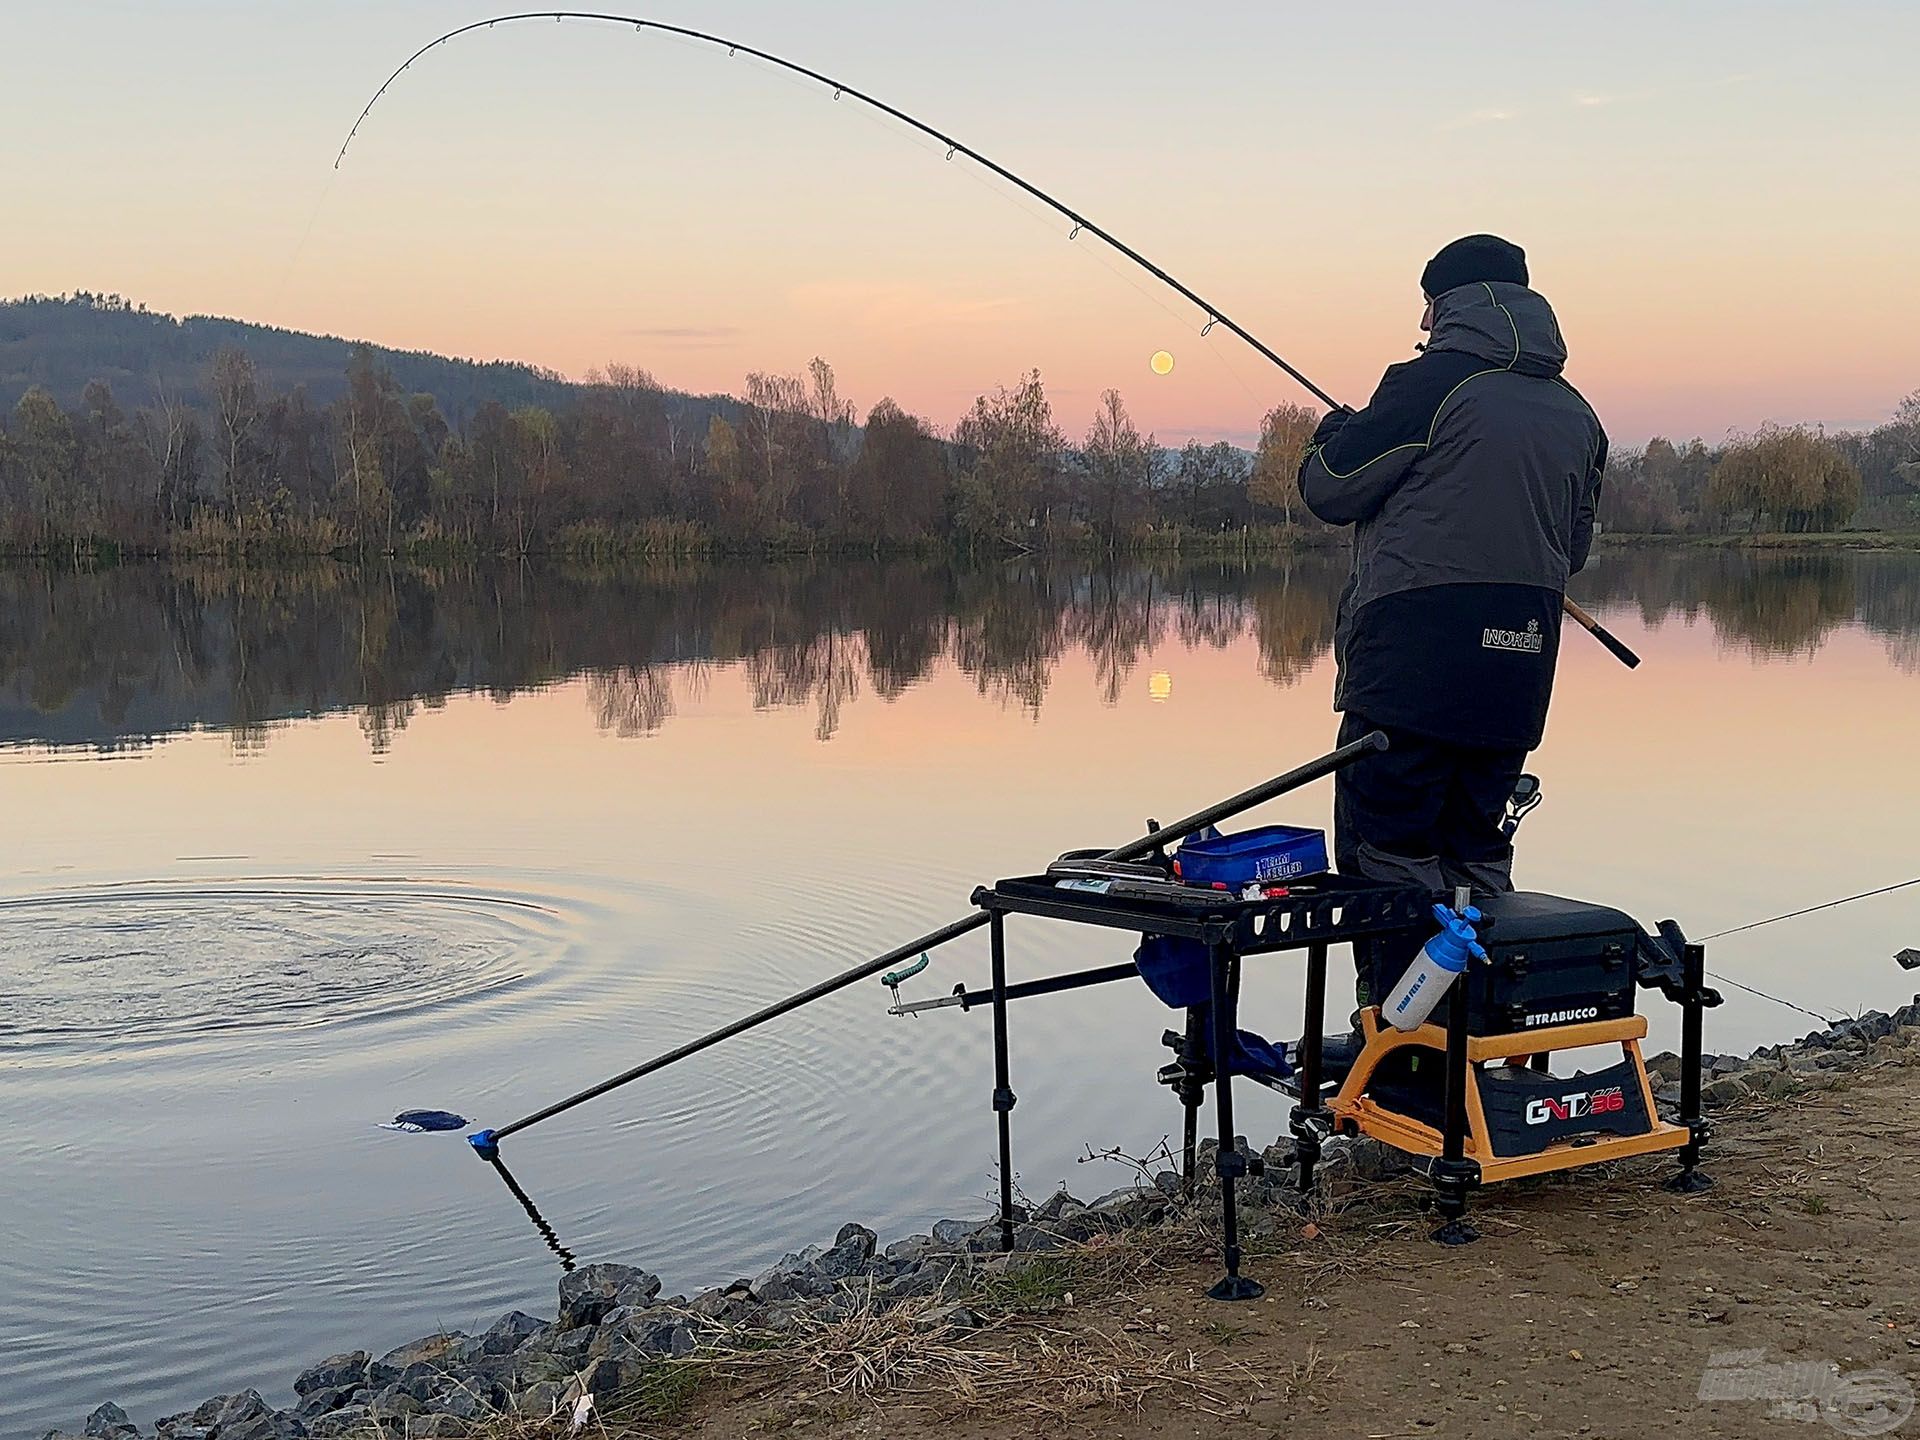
pixel 1470 480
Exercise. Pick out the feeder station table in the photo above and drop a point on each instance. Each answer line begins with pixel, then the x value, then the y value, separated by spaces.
pixel 1555 975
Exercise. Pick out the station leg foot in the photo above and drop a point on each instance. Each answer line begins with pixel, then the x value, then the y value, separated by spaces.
pixel 1455 1232
pixel 1236 1287
pixel 1689 1182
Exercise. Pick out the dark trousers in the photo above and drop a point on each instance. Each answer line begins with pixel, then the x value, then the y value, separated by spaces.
pixel 1424 812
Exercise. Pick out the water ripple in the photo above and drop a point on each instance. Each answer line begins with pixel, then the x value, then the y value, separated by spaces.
pixel 154 963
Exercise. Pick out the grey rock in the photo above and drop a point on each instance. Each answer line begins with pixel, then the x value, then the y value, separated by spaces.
pixel 349 1368
pixel 852 1249
pixel 272 1425
pixel 607 1378
pixel 109 1421
pixel 1726 1065
pixel 316 1403
pixel 587 1294
pixel 354 1419
pixel 569 1345
pixel 1030 1238
pixel 1058 1206
pixel 725 1307
pixel 643 1334
pixel 1362 1157
pixel 790 1277
pixel 539 1401
pixel 1775 1084
pixel 215 1415
pixel 914 1249
pixel 853 1231
pixel 427 1350
pixel 933 1277
pixel 61 1435
pixel 393 1407
pixel 510 1332
pixel 472 1402
pixel 438 1427
pixel 955 1232
pixel 1727 1090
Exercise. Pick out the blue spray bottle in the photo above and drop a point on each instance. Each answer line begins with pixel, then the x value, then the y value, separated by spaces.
pixel 1440 962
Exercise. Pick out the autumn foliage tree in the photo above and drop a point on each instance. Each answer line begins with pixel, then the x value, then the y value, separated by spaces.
pixel 1284 433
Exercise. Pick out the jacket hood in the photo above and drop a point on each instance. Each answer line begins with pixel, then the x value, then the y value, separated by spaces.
pixel 1503 324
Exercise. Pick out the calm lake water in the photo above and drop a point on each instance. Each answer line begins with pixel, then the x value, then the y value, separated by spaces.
pixel 290 852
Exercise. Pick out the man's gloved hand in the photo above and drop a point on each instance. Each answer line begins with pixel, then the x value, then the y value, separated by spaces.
pixel 1329 426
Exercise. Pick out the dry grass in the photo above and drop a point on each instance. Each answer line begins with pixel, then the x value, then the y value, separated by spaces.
pixel 1010 1366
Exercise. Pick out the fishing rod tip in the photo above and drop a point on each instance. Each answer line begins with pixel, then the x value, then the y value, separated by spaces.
pixel 484 1145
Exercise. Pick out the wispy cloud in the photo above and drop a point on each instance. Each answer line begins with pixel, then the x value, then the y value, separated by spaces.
pixel 1599 99
pixel 1483 117
pixel 686 337
pixel 1594 99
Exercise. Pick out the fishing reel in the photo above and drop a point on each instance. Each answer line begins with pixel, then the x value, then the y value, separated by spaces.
pixel 1526 795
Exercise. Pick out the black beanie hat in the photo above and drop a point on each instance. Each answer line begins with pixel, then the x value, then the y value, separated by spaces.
pixel 1472 259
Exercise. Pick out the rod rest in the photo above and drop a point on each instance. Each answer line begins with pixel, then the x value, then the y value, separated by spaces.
pixel 1660 965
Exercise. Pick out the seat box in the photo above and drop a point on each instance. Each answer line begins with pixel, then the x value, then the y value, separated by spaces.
pixel 1551 961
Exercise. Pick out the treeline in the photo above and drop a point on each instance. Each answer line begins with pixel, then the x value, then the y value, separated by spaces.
pixel 1793 479
pixel 789 465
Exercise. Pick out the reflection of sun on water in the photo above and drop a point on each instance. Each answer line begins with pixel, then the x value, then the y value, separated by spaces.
pixel 1159 685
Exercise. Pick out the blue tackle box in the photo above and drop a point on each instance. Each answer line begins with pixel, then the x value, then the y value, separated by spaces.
pixel 1271 853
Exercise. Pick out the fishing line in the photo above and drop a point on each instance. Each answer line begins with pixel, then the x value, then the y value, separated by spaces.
pixel 1794 915
pixel 1811 909
pixel 1742 985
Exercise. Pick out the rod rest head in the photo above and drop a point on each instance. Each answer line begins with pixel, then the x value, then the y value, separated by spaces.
pixel 484 1145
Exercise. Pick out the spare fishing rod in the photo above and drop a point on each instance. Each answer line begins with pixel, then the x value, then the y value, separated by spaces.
pixel 1215 316
pixel 486 1143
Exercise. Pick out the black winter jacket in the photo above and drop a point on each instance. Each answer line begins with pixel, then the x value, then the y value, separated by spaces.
pixel 1470 479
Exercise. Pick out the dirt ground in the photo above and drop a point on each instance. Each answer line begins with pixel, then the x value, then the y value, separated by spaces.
pixel 1593 1306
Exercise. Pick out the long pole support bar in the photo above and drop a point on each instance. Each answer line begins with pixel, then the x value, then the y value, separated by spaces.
pixel 487 1142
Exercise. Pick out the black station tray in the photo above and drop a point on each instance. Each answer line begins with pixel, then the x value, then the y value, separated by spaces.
pixel 1337 908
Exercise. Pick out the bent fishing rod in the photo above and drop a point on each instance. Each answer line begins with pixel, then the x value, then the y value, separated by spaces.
pixel 486 1143
pixel 1215 316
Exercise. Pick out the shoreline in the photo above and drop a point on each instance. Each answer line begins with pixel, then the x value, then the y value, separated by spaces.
pixel 678 1361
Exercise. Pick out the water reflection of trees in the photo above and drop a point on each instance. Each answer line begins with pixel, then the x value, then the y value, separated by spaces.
pixel 109 658
pixel 1769 602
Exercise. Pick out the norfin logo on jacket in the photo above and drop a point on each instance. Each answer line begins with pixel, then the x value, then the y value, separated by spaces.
pixel 1528 641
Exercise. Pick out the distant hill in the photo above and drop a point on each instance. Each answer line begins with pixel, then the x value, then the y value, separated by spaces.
pixel 62 343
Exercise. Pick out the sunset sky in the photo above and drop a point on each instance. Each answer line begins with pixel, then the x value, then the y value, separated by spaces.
pixel 1722 200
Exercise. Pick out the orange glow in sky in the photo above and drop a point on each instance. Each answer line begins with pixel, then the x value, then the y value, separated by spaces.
pixel 1716 197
